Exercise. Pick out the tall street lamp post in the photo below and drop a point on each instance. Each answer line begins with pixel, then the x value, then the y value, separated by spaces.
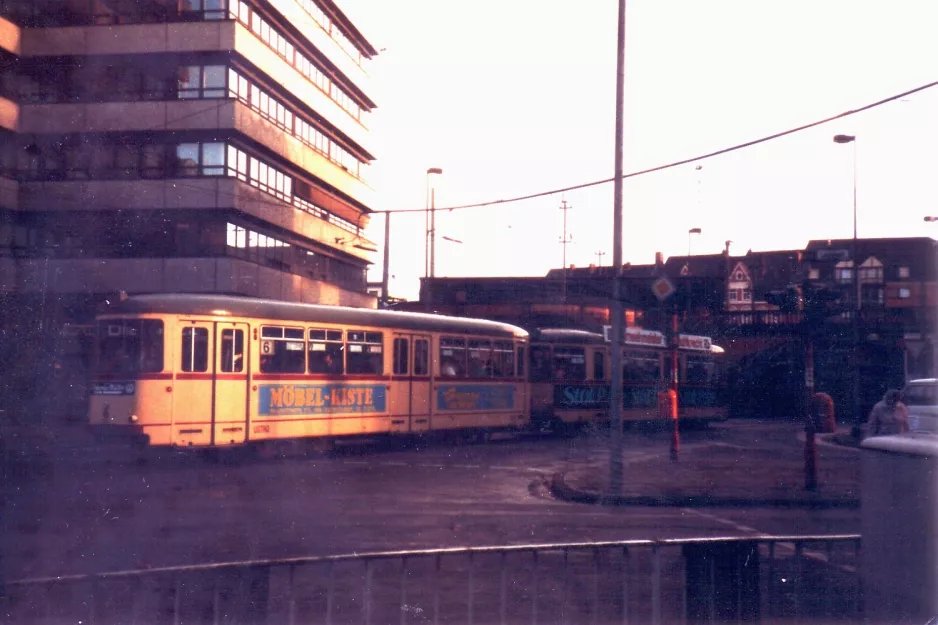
pixel 616 312
pixel 841 139
pixel 931 218
pixel 430 234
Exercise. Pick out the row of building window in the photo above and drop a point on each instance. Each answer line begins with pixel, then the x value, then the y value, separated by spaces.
pixel 99 237
pixel 191 82
pixel 327 25
pixel 199 10
pixel 278 113
pixel 132 159
pixel 280 43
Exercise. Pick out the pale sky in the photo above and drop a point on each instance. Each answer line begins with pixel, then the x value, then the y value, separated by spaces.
pixel 511 97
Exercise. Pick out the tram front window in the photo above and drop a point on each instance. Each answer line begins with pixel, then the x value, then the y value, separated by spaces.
pixel 128 346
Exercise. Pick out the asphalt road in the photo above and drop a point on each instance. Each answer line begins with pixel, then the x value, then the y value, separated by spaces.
pixel 93 510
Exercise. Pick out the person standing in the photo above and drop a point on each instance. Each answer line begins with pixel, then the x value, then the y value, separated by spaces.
pixel 888 416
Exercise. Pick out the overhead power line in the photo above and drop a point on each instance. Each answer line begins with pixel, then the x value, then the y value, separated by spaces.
pixel 685 161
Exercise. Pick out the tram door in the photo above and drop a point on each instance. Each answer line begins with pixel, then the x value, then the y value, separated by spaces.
pixel 410 384
pixel 210 391
pixel 231 383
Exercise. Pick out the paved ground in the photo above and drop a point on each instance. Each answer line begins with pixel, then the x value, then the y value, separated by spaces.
pixel 768 469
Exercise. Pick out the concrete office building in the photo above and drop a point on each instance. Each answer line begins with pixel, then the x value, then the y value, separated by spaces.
pixel 173 145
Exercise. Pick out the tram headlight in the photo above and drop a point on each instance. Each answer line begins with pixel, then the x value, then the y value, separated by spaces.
pixel 133 418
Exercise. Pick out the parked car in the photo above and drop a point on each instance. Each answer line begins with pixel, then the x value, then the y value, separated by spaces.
pixel 921 397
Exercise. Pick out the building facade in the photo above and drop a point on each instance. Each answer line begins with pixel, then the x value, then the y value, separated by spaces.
pixel 176 145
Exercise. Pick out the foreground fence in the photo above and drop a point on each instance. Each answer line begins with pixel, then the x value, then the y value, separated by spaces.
pixel 777 579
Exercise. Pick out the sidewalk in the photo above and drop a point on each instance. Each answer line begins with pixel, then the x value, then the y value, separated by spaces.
pixel 719 475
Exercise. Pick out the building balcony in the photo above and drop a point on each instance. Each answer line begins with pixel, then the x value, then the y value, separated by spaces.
pixel 176 115
pixel 191 38
pixel 171 275
pixel 201 194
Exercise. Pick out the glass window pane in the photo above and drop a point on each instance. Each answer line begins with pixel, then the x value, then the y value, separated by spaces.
pixel 188 80
pixel 213 159
pixel 401 355
pixel 421 357
pixel 187 159
pixel 195 349
pixel 232 350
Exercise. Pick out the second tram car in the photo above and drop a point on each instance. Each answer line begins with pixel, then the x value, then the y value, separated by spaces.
pixel 570 375
pixel 212 370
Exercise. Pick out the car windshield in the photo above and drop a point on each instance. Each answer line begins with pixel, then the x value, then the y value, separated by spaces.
pixel 921 395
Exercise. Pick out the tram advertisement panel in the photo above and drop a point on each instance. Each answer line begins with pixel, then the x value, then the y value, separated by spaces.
pixel 292 399
pixel 590 397
pixel 475 397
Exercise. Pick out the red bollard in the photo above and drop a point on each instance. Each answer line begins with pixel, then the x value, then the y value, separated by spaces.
pixel 667 409
pixel 810 460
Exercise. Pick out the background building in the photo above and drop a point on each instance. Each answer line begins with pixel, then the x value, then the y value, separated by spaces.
pixel 173 145
pixel 736 300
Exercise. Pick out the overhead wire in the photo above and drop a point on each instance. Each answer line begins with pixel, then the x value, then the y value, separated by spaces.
pixel 693 159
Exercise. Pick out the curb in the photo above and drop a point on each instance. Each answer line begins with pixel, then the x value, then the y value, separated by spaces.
pixel 561 490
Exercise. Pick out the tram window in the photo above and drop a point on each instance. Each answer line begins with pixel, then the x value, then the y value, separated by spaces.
pixel 504 359
pixel 130 346
pixel 325 351
pixel 480 359
pixel 452 357
pixel 421 357
pixel 569 364
pixel 401 354
pixel 283 350
pixel 540 364
pixel 365 353
pixel 639 366
pixel 699 370
pixel 520 362
pixel 599 365
pixel 232 350
pixel 195 349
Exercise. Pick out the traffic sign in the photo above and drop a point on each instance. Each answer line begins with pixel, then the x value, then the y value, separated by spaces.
pixel 663 288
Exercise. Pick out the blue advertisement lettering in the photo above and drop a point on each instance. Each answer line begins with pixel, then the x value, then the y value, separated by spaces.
pixel 475 397
pixel 295 399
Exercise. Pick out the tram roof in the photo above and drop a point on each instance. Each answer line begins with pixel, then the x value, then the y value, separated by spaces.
pixel 567 335
pixel 234 306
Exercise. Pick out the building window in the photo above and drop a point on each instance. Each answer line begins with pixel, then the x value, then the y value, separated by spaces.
pixel 872 294
pixel 905 293
pixel 843 273
pixel 903 273
pixel 732 295
pixel 814 274
pixel 747 295
pixel 201 81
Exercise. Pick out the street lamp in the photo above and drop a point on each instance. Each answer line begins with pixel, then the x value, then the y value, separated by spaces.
pixel 430 235
pixel 856 288
pixel 689 233
pixel 931 218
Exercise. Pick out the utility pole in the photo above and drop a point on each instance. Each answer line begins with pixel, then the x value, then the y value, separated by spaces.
pixel 564 240
pixel 599 258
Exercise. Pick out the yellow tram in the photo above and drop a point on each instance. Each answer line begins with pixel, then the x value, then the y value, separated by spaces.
pixel 213 370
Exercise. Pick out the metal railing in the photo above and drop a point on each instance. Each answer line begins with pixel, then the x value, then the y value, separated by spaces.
pixel 798 579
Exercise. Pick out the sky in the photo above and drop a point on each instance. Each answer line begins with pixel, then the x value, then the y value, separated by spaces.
pixel 514 97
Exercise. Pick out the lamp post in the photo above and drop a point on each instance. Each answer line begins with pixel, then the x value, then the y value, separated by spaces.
pixel 931 218
pixel 841 139
pixel 616 312
pixel 690 232
pixel 430 219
